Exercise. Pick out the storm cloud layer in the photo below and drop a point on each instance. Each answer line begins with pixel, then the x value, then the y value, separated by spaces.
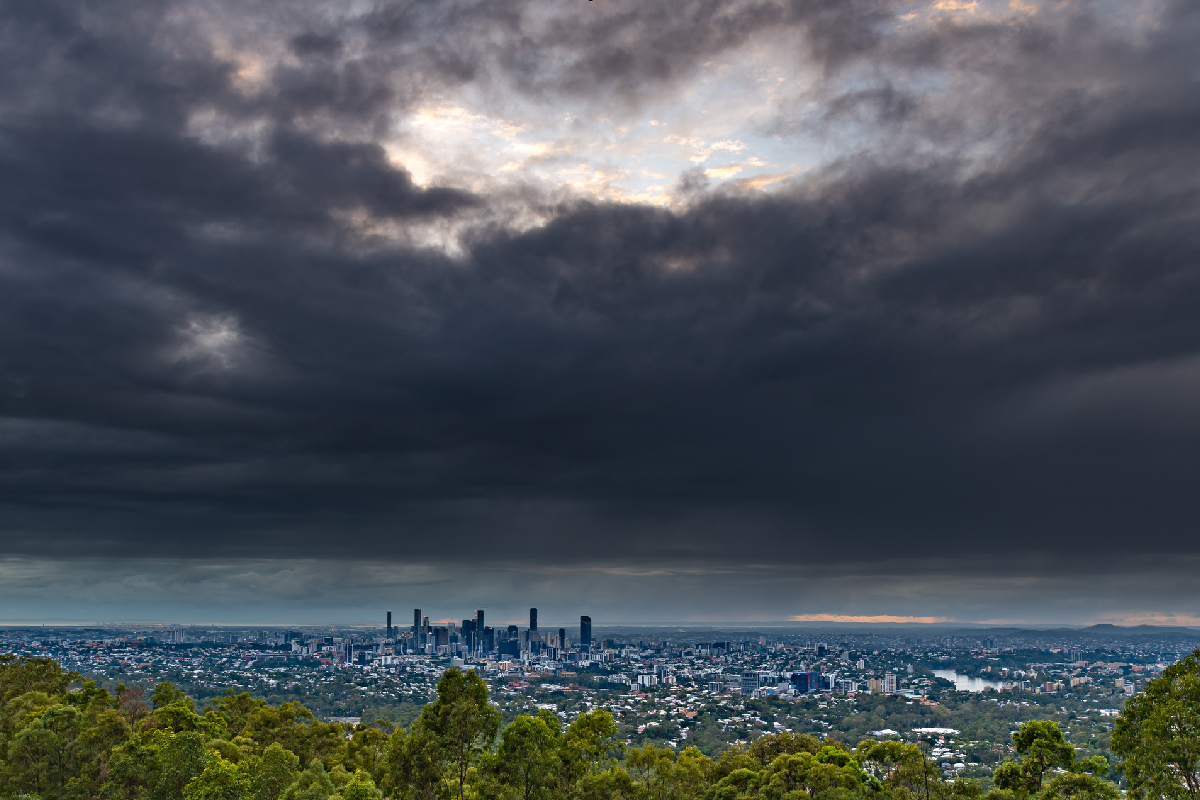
pixel 235 323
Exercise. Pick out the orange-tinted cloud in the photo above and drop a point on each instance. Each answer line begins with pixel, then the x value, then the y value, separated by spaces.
pixel 878 618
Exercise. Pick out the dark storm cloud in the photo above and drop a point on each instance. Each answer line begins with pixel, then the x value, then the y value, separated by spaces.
pixel 215 338
pixel 619 52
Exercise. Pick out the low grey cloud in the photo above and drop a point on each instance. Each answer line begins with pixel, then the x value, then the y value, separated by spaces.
pixel 234 326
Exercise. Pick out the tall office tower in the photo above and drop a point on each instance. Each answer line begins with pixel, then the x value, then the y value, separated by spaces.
pixel 479 620
pixel 389 633
pixel 416 624
pixel 469 636
pixel 424 631
pixel 585 633
pixel 562 638
pixel 533 619
pixel 513 633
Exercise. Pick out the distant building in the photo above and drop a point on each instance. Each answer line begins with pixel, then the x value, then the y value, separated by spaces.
pixel 389 625
pixel 889 683
pixel 533 619
pixel 749 682
pixel 416 624
pixel 511 644
pixel 585 633
pixel 469 637
pixel 562 638
pixel 805 682
pixel 479 622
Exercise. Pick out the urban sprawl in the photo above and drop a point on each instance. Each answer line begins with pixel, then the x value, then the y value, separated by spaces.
pixel 958 694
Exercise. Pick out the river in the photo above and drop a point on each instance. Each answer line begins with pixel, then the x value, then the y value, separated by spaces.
pixel 967 684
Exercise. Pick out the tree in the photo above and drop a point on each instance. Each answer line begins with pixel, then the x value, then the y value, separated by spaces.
pixel 271 773
pixel 905 767
pixel 461 720
pixel 527 761
pixel 133 768
pixel 1079 786
pixel 1042 746
pixel 422 765
pixel 181 758
pixel 312 784
pixel 361 787
pixel 220 780
pixel 367 750
pixel 165 694
pixel 1158 734
pixel 587 744
pixel 22 674
pixel 394 763
pixel 236 710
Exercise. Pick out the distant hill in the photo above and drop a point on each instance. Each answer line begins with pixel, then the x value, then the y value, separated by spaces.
pixel 1136 630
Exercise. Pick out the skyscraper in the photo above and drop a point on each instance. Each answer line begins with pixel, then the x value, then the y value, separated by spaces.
pixel 469 634
pixel 533 619
pixel 389 630
pixel 562 638
pixel 479 620
pixel 416 624
pixel 585 633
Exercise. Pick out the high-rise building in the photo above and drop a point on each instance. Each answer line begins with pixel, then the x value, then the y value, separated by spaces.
pixel 389 629
pixel 533 619
pixel 424 630
pixel 469 637
pixel 479 620
pixel 416 624
pixel 889 683
pixel 562 638
pixel 585 633
pixel 805 682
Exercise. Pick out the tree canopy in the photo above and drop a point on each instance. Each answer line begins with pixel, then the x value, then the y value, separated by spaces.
pixel 64 738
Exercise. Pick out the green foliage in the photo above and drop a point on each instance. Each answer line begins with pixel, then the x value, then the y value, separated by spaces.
pixel 1043 747
pixel 1158 734
pixel 1079 786
pixel 271 773
pixel 62 738
pixel 181 758
pixel 166 694
pixel 24 674
pixel 461 722
pixel 361 787
pixel 220 780
pixel 312 784
pixel 366 750
pixel 527 762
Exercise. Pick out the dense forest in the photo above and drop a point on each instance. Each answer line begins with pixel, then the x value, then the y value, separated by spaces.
pixel 64 738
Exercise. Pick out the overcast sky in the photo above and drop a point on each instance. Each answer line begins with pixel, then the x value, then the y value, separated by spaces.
pixel 657 310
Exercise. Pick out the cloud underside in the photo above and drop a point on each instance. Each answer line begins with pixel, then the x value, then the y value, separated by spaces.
pixel 233 324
